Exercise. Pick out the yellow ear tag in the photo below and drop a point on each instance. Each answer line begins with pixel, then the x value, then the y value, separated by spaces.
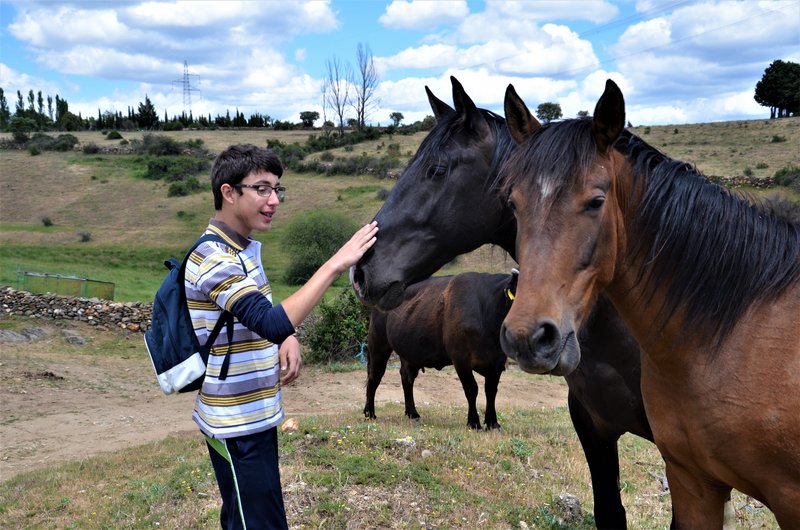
pixel 509 294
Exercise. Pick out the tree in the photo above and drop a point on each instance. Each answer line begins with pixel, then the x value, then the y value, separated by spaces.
pixel 366 84
pixel 148 117
pixel 5 113
pixel 396 118
pixel 779 89
pixel 50 107
pixel 308 117
pixel 548 111
pixel 583 113
pixel 337 89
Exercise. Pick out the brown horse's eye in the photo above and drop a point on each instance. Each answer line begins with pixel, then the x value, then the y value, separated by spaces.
pixel 595 203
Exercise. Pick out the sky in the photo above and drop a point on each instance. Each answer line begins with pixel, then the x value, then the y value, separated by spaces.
pixel 676 61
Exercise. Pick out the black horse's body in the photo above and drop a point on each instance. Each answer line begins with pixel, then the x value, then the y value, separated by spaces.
pixel 446 320
pixel 447 203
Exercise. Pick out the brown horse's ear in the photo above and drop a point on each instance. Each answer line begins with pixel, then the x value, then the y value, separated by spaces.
pixel 609 117
pixel 467 111
pixel 439 107
pixel 521 123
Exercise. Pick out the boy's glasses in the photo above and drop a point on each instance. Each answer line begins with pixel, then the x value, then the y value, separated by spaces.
pixel 265 190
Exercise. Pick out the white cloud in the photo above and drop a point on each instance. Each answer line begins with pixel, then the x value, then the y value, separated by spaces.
pixel 419 14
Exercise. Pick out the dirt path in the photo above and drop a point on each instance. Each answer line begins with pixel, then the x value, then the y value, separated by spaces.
pixel 60 403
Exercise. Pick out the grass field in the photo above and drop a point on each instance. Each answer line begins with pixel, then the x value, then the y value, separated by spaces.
pixel 339 471
pixel 108 225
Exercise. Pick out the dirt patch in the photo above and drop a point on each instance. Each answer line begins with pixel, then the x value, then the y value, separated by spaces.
pixel 60 403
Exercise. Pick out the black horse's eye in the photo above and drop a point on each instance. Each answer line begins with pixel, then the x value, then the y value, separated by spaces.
pixel 436 172
pixel 595 203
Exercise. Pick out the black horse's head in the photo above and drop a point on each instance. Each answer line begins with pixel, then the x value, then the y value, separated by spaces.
pixel 444 204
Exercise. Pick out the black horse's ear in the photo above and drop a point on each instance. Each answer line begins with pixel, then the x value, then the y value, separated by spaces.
pixel 521 123
pixel 439 107
pixel 467 111
pixel 609 117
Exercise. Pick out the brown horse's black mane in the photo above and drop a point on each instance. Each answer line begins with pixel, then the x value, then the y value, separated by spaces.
pixel 718 252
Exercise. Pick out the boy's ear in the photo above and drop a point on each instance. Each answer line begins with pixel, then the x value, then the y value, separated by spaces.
pixel 227 192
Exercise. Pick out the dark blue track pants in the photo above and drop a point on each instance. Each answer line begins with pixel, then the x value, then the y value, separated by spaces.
pixel 249 481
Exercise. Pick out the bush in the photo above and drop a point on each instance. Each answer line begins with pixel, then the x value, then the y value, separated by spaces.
pixel 91 148
pixel 46 221
pixel 338 330
pixel 43 142
pixel 185 187
pixel 172 126
pixel 776 139
pixel 789 176
pixel 34 150
pixel 113 135
pixel 174 168
pixel 311 239
pixel 159 145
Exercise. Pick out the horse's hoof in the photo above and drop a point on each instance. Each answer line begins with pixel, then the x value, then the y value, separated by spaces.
pixel 475 426
pixel 490 426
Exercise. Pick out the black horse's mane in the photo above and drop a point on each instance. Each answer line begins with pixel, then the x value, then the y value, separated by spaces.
pixel 452 124
pixel 718 252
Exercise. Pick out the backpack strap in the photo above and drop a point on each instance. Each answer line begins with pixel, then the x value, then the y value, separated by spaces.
pixel 226 318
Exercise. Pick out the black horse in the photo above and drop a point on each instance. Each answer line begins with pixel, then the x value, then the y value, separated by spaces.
pixel 444 320
pixel 447 202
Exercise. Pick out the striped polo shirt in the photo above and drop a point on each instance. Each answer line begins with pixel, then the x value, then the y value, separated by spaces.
pixel 249 399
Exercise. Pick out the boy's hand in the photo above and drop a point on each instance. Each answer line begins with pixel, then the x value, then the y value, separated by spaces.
pixel 353 250
pixel 291 360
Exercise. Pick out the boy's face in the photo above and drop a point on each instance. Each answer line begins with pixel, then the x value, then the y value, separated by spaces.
pixel 250 211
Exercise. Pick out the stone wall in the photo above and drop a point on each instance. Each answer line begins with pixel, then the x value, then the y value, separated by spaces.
pixel 134 316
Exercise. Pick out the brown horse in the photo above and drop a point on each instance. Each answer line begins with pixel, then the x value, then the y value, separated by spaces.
pixel 445 320
pixel 446 203
pixel 708 283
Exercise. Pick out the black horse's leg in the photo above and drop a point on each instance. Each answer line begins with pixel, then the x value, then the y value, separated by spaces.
pixel 407 375
pixel 464 371
pixel 490 383
pixel 603 459
pixel 378 353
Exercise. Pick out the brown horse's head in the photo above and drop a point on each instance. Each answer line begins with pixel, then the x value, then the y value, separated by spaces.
pixel 561 184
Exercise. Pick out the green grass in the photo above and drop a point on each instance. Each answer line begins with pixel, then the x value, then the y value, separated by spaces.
pixel 133 225
pixel 343 472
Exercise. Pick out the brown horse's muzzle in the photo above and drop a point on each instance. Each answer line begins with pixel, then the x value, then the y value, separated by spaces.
pixel 541 349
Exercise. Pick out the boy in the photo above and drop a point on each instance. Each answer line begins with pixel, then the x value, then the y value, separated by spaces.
pixel 239 414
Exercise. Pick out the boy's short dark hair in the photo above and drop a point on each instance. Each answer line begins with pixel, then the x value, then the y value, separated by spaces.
pixel 236 162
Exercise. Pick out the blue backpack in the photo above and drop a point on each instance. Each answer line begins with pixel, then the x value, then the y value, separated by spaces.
pixel 178 358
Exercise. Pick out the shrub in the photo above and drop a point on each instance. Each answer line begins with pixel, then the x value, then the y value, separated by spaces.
pixel 172 126
pixel 185 187
pixel 789 176
pixel 174 168
pixel 327 156
pixel 21 128
pixel 776 139
pixel 113 135
pixel 34 150
pixel 46 221
pixel 311 239
pixel 90 148
pixel 157 144
pixel 393 150
pixel 85 237
pixel 338 330
pixel 748 172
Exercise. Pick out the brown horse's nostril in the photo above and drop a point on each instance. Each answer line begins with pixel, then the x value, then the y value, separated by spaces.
pixel 545 339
